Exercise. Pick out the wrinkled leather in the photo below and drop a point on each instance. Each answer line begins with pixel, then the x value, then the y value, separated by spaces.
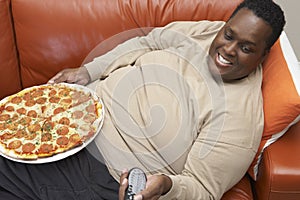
pixel 9 71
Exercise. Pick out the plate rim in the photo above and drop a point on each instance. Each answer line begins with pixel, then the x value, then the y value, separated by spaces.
pixel 70 152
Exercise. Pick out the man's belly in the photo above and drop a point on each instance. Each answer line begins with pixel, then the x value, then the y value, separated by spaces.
pixel 152 117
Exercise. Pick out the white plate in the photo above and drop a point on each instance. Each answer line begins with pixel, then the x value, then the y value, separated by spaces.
pixel 70 152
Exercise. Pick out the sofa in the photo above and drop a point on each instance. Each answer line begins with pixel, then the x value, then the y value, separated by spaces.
pixel 40 38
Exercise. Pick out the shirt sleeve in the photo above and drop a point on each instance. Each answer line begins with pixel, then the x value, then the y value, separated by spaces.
pixel 161 38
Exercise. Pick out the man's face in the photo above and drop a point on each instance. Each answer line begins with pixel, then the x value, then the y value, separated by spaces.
pixel 240 46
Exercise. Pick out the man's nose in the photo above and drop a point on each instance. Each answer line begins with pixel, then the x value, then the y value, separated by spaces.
pixel 231 48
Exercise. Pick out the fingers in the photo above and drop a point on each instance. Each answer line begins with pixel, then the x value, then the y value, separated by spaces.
pixel 156 186
pixel 55 78
pixel 71 75
pixel 123 184
pixel 66 75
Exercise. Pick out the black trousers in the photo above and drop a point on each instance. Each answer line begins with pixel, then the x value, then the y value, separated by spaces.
pixel 79 176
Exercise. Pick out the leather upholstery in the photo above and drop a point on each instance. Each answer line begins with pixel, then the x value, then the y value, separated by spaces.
pixel 9 71
pixel 241 191
pixel 279 177
pixel 52 35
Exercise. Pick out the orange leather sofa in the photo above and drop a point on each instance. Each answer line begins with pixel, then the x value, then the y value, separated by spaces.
pixel 40 38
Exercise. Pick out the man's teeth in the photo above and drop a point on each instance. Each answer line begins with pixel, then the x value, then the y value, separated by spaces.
pixel 223 60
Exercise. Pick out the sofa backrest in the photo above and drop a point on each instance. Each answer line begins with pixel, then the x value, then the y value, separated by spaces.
pixel 10 81
pixel 55 34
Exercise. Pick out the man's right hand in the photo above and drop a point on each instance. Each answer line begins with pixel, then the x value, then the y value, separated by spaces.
pixel 72 75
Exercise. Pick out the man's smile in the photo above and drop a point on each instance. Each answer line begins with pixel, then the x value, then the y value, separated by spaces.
pixel 222 61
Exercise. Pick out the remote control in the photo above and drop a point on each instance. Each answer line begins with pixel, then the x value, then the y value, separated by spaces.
pixel 136 182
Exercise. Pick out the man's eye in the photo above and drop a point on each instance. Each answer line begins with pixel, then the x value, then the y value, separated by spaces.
pixel 245 49
pixel 227 36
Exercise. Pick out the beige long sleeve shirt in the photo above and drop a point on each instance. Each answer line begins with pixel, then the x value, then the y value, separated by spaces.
pixel 165 113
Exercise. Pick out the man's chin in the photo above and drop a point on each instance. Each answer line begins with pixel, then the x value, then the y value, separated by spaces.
pixel 213 68
pixel 218 73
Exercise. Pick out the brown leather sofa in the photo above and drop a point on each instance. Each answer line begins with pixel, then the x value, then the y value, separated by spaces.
pixel 39 38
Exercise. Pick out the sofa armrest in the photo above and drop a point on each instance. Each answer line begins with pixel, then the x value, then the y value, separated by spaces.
pixel 241 191
pixel 279 171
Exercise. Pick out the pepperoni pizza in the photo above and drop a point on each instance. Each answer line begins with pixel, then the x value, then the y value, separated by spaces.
pixel 47 120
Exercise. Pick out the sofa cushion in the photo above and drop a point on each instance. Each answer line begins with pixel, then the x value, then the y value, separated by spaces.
pixel 280 89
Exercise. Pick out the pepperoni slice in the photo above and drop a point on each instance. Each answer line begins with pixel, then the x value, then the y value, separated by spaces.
pixel 2 126
pixel 6 136
pixel 64 92
pixel 48 126
pixel 15 117
pixel 45 148
pixel 25 120
pixel 4 117
pixel 74 125
pixel 32 113
pixel 52 93
pixel 58 110
pixel 21 111
pixel 89 135
pixel 54 99
pixel 46 137
pixel 30 136
pixel 84 98
pixel 75 138
pixel 9 108
pixel 41 100
pixel 76 95
pixel 77 114
pixel 30 103
pixel 91 108
pixel 20 133
pixel 16 100
pixel 27 96
pixel 37 93
pixel 28 147
pixel 32 128
pixel 89 118
pixel 64 130
pixel 66 101
pixel 64 121
pixel 14 144
pixel 12 126
pixel 62 141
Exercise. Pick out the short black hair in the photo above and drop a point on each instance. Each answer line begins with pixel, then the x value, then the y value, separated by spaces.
pixel 270 12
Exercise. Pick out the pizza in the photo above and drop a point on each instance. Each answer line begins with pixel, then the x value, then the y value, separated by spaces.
pixel 47 120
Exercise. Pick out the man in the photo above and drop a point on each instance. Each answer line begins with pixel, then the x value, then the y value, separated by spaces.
pixel 183 103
